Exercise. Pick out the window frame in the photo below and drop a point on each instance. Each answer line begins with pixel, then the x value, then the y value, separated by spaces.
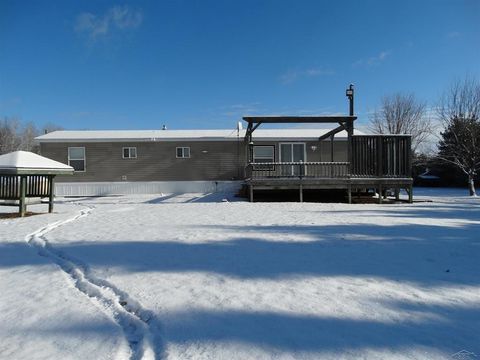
pixel 129 152
pixel 183 152
pixel 305 167
pixel 273 157
pixel 84 158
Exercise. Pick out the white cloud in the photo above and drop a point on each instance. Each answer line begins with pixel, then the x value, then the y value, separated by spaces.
pixel 289 77
pixel 453 35
pixel 116 18
pixel 374 60
pixel 294 75
pixel 91 25
pixel 124 18
pixel 238 110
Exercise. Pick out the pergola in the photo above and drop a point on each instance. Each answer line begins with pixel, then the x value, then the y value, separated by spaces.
pixel 345 123
pixel 27 175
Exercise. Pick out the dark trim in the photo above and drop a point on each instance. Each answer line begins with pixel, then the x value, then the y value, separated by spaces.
pixel 332 132
pixel 297 119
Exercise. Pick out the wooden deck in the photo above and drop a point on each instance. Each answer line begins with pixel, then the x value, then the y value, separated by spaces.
pixel 379 163
pixel 350 184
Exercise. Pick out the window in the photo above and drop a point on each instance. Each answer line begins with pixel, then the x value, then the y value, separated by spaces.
pixel 76 158
pixel 264 154
pixel 183 152
pixel 129 152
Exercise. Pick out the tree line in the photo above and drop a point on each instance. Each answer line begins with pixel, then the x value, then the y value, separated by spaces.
pixel 457 153
pixel 17 135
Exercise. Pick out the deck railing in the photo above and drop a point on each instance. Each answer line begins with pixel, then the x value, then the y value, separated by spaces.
pixel 297 170
pixel 387 156
pixel 372 156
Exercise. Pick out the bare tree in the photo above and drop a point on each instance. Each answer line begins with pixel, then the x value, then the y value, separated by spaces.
pixel 27 137
pixel 15 135
pixel 459 110
pixel 402 114
pixel 9 140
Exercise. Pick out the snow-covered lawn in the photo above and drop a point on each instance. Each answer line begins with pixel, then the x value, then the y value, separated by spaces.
pixel 195 277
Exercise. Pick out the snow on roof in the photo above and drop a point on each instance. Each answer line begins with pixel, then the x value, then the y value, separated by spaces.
pixel 24 162
pixel 172 135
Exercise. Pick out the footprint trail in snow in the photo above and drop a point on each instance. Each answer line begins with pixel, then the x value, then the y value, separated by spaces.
pixel 140 327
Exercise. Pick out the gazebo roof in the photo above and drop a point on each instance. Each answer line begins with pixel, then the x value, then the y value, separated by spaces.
pixel 28 163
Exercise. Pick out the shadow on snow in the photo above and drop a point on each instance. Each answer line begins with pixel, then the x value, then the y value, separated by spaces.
pixel 418 253
pixel 447 331
pixel 428 255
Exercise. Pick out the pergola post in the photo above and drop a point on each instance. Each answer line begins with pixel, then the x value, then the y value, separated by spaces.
pixel 332 150
pixel 51 192
pixel 350 93
pixel 248 139
pixel 23 193
pixel 349 145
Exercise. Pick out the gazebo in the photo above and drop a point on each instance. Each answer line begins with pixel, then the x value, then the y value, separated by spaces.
pixel 27 175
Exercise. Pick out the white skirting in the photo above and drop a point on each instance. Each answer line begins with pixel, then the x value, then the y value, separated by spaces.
pixel 144 187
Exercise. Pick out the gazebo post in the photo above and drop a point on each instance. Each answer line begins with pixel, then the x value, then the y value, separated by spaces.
pixel 51 192
pixel 23 190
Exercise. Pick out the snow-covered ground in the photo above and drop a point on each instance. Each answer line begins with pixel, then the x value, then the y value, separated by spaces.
pixel 195 277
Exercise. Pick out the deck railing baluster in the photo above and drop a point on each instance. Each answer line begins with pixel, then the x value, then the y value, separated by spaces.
pixel 297 170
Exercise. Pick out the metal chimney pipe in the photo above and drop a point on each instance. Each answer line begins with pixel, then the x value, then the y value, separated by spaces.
pixel 350 94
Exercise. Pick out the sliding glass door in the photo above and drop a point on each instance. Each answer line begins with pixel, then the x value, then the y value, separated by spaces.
pixel 292 152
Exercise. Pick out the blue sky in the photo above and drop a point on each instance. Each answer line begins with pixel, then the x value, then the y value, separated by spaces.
pixel 204 64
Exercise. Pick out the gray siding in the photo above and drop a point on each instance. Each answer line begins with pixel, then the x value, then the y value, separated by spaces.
pixel 156 161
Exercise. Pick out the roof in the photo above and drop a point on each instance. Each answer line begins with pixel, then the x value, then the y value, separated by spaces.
pixel 276 119
pixel 181 135
pixel 24 162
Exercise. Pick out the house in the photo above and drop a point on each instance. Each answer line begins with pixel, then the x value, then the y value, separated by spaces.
pixel 155 161
pixel 136 161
